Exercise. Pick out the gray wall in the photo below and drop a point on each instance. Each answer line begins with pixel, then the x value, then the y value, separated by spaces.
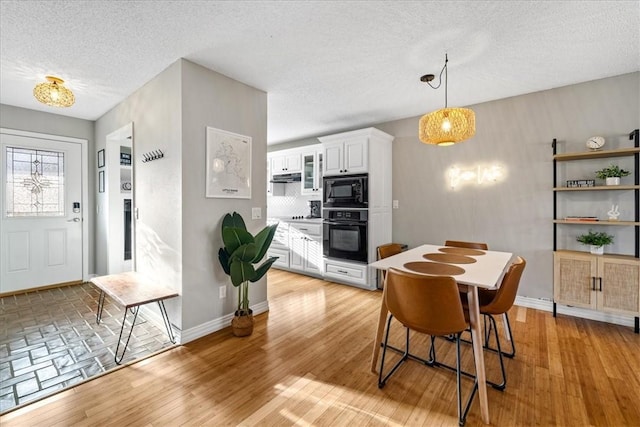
pixel 53 124
pixel 515 214
pixel 178 232
pixel 211 99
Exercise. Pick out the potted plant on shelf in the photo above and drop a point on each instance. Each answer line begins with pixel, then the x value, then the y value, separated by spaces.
pixel 612 174
pixel 596 240
pixel 240 252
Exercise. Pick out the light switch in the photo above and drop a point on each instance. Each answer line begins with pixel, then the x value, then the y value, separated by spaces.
pixel 256 213
pixel 395 204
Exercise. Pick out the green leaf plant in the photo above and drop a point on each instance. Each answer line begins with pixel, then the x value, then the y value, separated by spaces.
pixel 241 252
pixel 595 238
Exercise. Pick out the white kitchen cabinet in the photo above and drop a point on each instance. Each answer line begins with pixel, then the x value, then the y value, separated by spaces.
pixel 348 272
pixel 288 162
pixel 312 172
pixel 305 247
pixel 345 156
pixel 280 244
pixel 269 183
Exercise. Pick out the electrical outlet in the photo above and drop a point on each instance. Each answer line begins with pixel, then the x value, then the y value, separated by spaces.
pixel 395 204
pixel 256 213
pixel 223 292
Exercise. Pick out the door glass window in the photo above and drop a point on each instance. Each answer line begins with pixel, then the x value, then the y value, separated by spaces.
pixel 35 182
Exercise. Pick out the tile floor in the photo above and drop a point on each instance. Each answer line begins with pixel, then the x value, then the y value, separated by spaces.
pixel 49 340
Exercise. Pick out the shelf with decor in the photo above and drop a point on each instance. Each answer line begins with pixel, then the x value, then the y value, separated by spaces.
pixel 608 283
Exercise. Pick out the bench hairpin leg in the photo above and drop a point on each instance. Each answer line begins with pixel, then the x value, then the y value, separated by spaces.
pixel 167 324
pixel 135 311
pixel 100 307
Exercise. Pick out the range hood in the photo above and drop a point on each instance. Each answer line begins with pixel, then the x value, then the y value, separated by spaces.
pixel 286 177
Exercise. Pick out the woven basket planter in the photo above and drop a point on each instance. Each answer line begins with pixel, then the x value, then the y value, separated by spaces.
pixel 242 326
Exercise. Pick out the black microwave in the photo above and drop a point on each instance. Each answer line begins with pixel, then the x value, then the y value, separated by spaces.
pixel 346 191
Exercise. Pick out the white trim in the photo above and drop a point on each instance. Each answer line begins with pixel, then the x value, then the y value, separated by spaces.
pixel 547 305
pixel 84 153
pixel 217 324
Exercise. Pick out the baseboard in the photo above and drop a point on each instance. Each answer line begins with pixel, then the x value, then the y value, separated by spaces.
pixel 217 324
pixel 547 305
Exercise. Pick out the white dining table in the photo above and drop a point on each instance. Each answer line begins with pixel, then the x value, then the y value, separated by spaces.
pixel 485 269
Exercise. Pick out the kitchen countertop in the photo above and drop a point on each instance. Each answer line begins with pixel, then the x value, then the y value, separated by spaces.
pixel 290 219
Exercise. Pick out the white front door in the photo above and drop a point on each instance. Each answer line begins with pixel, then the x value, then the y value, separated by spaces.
pixel 41 228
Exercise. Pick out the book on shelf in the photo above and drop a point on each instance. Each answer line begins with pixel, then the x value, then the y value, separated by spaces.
pixel 581 218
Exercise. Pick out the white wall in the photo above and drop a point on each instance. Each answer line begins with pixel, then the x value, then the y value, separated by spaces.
pixel 155 110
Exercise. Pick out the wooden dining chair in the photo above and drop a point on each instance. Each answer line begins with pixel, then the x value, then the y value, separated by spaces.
pixel 429 305
pixel 388 250
pixel 498 302
pixel 468 245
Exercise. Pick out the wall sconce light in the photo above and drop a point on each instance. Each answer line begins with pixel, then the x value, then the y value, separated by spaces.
pixel 478 174
pixel 446 126
pixel 54 93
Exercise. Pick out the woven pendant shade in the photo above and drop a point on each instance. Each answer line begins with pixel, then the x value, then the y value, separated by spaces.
pixel 54 93
pixel 447 126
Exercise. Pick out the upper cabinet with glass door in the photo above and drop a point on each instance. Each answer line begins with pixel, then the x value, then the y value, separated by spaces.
pixel 312 171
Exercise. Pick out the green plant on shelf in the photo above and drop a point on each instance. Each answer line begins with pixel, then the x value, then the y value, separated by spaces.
pixel 612 171
pixel 595 238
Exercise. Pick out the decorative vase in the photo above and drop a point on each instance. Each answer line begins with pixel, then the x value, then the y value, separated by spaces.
pixel 597 250
pixel 612 181
pixel 242 324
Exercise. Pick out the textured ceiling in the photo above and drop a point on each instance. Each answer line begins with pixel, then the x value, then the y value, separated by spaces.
pixel 326 65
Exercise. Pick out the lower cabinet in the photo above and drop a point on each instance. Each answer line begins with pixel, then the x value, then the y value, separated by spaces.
pixel 283 257
pixel 607 283
pixel 280 245
pixel 349 272
pixel 305 247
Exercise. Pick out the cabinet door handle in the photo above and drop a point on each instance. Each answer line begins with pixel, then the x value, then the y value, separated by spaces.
pixel 593 283
pixel 600 279
pixel 342 271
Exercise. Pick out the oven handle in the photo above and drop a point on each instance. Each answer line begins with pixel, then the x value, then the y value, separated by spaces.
pixel 345 222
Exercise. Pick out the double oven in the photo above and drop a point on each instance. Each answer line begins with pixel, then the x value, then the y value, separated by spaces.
pixel 345 217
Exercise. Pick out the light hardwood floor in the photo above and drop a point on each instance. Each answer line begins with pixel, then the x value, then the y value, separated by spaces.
pixel 307 363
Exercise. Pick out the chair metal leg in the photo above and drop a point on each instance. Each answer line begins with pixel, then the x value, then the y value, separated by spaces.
pixel 502 385
pixel 507 328
pixel 405 355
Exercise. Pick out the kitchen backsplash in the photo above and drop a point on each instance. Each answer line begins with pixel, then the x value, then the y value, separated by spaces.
pixel 292 203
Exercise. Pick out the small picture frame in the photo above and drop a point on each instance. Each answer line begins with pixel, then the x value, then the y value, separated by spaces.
pixel 101 182
pixel 101 158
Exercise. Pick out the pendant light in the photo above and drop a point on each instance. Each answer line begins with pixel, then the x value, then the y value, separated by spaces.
pixel 446 126
pixel 54 93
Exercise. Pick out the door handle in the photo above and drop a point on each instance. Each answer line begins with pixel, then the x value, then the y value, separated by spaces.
pixel 74 220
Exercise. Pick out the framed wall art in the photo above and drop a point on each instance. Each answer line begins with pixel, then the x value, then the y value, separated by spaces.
pixel 101 158
pixel 101 182
pixel 228 164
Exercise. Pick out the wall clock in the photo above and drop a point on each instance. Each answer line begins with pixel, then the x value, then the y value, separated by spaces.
pixel 595 142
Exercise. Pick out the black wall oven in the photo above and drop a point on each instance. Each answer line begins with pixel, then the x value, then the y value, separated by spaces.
pixel 345 234
pixel 346 191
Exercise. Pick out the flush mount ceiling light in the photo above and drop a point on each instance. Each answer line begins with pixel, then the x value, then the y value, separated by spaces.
pixel 446 126
pixel 54 93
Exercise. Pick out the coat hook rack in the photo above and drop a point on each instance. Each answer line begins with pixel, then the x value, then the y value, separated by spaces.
pixel 152 155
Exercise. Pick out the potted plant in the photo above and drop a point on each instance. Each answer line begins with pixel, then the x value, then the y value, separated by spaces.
pixel 240 252
pixel 612 174
pixel 596 240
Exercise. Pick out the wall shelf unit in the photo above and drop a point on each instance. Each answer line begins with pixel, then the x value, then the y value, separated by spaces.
pixel 608 283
